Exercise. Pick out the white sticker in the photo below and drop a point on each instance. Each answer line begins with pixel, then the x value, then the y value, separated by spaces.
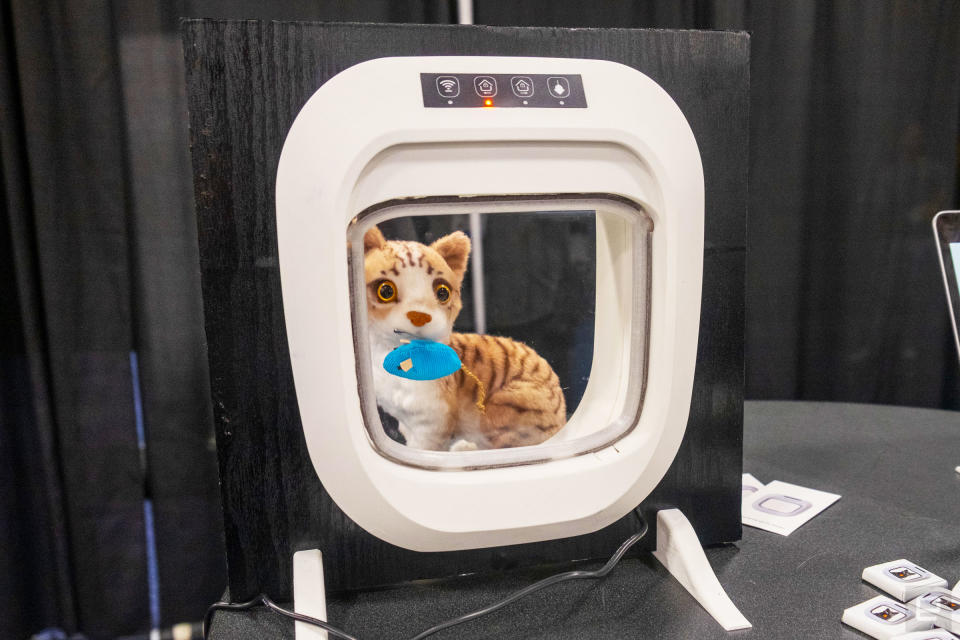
pixel 782 507
pixel 749 486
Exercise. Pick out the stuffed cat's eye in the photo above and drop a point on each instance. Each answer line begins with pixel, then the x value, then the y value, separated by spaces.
pixel 386 291
pixel 442 292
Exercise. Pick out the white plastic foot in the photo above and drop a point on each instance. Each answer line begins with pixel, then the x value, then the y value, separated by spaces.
pixel 309 593
pixel 679 550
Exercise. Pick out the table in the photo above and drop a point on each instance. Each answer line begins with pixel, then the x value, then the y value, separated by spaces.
pixel 894 467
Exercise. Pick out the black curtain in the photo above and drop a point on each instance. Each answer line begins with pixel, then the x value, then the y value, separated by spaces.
pixel 854 110
pixel 854 149
pixel 103 382
pixel 109 503
pixel 77 522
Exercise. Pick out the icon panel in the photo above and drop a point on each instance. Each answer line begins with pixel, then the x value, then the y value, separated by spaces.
pixel 448 86
pixel 522 86
pixel 485 86
pixel 458 90
pixel 558 86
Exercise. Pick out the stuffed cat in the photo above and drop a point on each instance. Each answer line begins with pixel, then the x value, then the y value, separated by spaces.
pixel 506 395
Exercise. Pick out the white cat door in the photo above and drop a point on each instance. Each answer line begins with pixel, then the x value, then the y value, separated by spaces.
pixel 589 209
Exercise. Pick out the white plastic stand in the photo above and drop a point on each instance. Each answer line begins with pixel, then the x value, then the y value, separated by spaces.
pixel 679 550
pixel 309 593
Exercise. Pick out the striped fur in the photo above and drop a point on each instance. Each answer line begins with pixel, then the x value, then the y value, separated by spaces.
pixel 524 404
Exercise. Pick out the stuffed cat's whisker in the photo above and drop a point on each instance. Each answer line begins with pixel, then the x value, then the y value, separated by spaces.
pixel 404 335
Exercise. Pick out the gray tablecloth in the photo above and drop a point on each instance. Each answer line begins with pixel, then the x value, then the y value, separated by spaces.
pixel 893 466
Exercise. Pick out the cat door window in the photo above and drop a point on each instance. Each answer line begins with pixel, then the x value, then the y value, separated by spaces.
pixel 495 332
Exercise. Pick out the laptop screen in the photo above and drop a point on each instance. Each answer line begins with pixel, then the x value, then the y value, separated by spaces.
pixel 955 256
pixel 946 228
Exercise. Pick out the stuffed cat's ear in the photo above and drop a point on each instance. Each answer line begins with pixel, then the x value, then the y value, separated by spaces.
pixel 455 249
pixel 373 239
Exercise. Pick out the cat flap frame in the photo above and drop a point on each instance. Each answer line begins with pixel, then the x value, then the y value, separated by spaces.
pixel 350 151
pixel 612 401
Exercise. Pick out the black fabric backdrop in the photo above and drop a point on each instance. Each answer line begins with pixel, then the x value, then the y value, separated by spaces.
pixel 854 148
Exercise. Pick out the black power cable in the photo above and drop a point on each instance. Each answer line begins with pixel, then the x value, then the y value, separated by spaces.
pixel 270 604
pixel 473 615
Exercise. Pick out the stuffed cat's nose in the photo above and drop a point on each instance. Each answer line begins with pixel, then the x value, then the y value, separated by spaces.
pixel 418 319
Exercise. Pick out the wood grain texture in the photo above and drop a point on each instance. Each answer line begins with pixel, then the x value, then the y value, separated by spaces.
pixel 246 83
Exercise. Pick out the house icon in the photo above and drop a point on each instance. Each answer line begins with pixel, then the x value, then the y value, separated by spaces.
pixel 485 86
pixel 522 86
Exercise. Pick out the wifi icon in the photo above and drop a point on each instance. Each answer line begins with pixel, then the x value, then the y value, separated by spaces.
pixel 448 86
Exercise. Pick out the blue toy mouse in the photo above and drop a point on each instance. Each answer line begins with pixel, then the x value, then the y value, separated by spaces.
pixel 422 360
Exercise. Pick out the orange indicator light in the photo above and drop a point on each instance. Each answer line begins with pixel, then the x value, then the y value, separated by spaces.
pixel 488 103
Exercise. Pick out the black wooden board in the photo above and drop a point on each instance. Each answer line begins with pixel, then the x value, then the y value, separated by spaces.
pixel 246 83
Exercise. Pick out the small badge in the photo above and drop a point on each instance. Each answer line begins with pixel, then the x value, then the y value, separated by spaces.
pixel 889 614
pixel 908 574
pixel 947 603
pixel 902 579
pixel 943 605
pixel 885 619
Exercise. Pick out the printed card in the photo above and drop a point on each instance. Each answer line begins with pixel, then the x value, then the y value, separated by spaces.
pixel 782 507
